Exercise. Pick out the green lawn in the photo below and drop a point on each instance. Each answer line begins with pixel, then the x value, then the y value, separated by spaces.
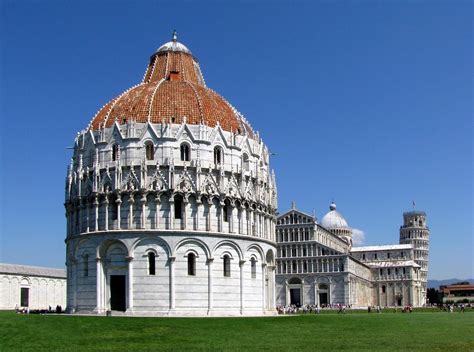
pixel 375 332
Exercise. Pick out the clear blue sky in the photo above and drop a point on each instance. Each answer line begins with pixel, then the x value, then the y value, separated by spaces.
pixel 369 103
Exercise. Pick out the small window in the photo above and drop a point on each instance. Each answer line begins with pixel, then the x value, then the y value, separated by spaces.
pixel 245 162
pixel 404 271
pixel 388 271
pixel 294 267
pixel 253 266
pixel 115 150
pixel 191 264
pixel 363 256
pixel 151 263
pixel 226 266
pixel 184 151
pixel 149 151
pixel 383 289
pixel 388 255
pixel 375 256
pixel 218 157
pixel 401 254
pixel 178 208
pixel 381 271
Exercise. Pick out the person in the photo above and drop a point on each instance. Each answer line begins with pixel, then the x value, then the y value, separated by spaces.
pixel 317 309
pixel 368 309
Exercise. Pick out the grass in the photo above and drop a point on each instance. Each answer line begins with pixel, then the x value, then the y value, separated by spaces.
pixel 375 332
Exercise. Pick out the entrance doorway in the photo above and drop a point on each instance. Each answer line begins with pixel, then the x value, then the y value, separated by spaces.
pixel 295 296
pixel 25 297
pixel 117 293
pixel 323 298
pixel 323 295
pixel 399 301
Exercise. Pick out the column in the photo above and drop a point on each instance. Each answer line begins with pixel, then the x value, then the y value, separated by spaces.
pixel 119 202
pixel 287 293
pixel 130 211
pixel 157 211
pixel 143 215
pixel 171 214
pixel 85 206
pixel 79 211
pixel 273 276
pixel 99 296
pixel 172 283
pixel 130 283
pixel 302 293
pixel 241 219
pixel 185 213
pixel 316 294
pixel 241 265
pixel 198 212
pixel 106 202
pixel 249 222
pixel 208 218
pixel 96 215
pixel 231 217
pixel 209 283
pixel 264 296
pixel 220 218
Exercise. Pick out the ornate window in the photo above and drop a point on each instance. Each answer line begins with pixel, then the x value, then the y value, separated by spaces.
pixel 253 268
pixel 115 151
pixel 185 153
pixel 226 265
pixel 149 151
pixel 151 263
pixel 218 156
pixel 192 264
pixel 383 289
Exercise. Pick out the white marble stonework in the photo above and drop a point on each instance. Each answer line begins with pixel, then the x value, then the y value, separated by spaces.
pixel 33 287
pixel 317 265
pixel 144 194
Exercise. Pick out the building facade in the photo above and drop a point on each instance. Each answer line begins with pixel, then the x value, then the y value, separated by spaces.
pixel 170 202
pixel 317 265
pixel 33 287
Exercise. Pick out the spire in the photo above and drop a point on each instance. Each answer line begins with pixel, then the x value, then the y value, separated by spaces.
pixel 174 38
pixel 332 206
pixel 293 205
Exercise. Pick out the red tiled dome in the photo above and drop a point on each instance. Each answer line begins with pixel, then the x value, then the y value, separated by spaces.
pixel 172 90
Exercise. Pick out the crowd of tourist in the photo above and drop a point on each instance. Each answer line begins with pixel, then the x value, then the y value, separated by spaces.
pixel 26 310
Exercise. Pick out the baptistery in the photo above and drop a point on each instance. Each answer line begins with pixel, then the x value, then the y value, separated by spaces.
pixel 170 202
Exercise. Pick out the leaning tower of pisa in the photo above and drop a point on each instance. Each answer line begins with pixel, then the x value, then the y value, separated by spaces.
pixel 414 231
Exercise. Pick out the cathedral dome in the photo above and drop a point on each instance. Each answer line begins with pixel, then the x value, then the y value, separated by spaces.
pixel 172 91
pixel 333 219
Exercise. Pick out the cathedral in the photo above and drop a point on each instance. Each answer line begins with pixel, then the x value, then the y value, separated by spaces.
pixel 317 264
pixel 171 209
pixel 170 202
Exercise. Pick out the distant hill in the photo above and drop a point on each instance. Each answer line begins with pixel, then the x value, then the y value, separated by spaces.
pixel 438 283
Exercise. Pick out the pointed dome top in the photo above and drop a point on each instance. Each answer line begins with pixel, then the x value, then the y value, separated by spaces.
pixel 173 45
